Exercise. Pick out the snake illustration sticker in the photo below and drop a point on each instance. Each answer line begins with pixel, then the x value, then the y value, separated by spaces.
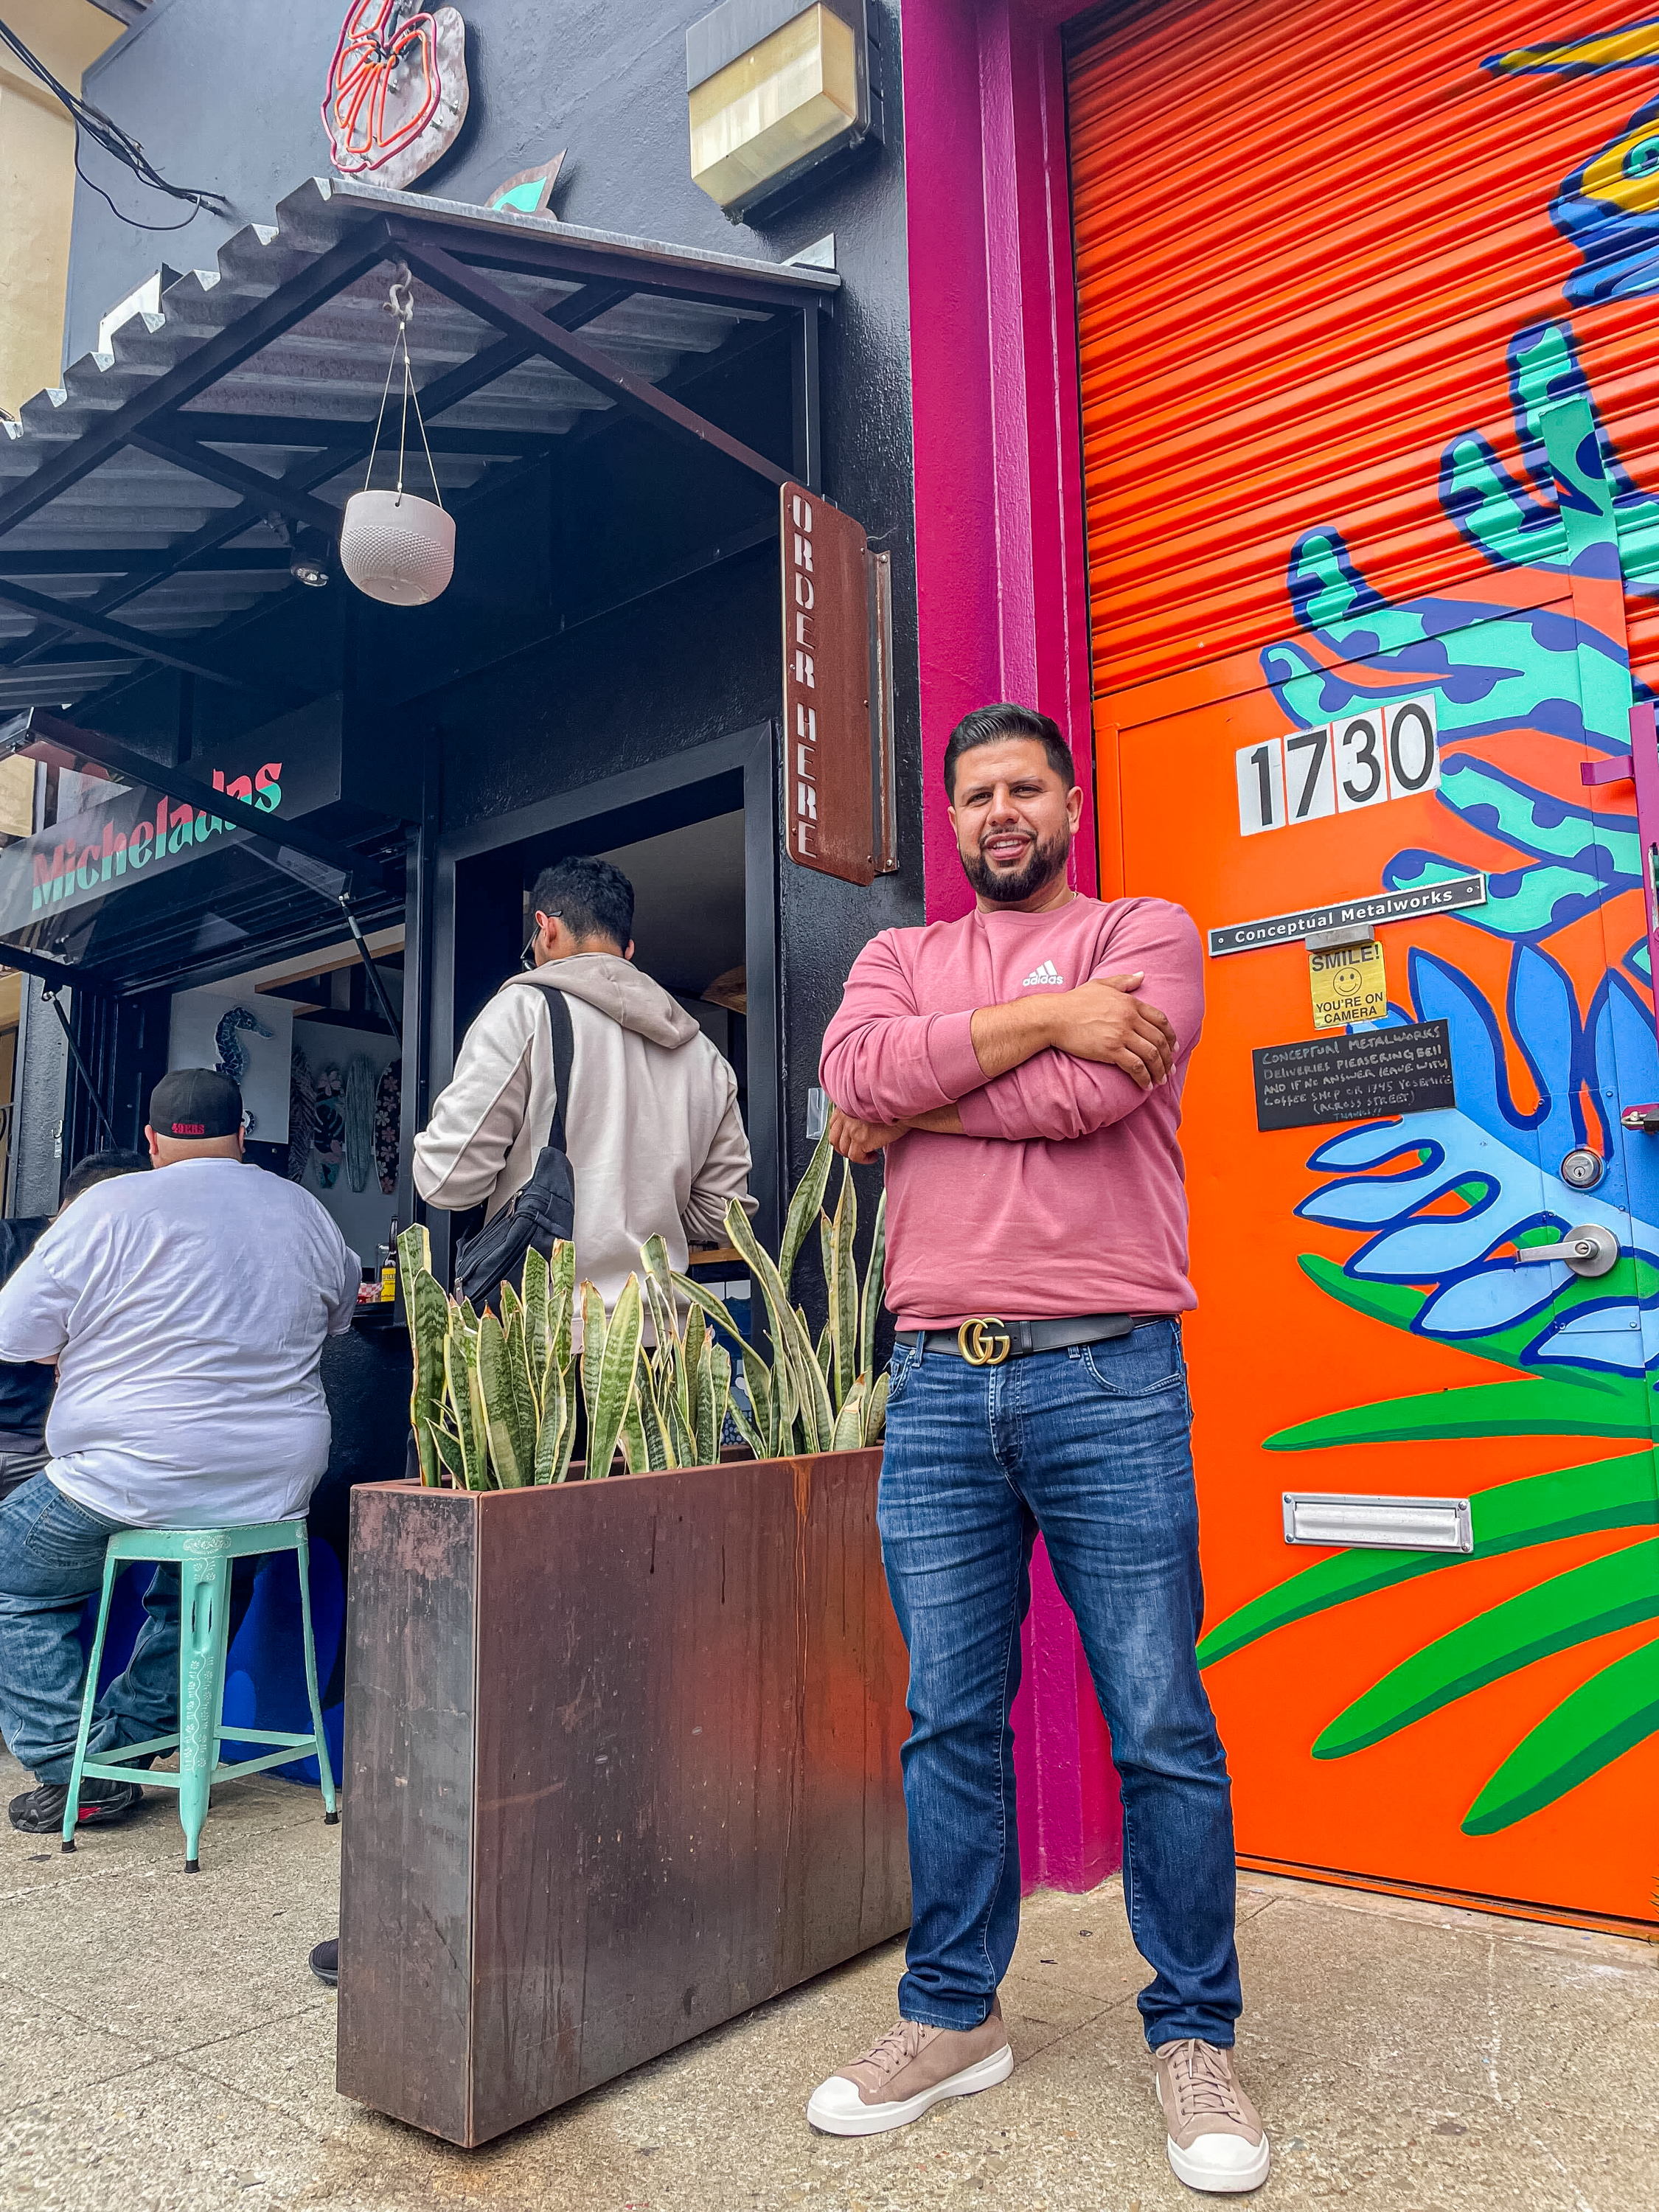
pixel 1349 985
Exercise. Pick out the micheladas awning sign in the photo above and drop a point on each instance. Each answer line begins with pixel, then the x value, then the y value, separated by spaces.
pixel 115 839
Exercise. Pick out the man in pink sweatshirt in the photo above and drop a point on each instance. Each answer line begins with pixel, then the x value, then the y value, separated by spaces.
pixel 1022 1071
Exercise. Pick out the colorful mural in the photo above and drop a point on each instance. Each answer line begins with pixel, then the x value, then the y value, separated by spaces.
pixel 1426 424
pixel 1446 1201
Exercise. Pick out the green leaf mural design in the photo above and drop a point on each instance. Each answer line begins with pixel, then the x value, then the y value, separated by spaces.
pixel 1568 1609
pixel 1603 1719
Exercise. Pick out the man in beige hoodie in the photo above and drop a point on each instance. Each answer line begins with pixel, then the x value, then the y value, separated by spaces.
pixel 653 1132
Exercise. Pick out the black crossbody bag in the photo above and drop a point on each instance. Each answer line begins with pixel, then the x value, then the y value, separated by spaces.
pixel 542 1211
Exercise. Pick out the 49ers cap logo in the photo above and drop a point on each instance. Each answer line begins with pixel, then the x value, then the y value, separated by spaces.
pixel 193 1104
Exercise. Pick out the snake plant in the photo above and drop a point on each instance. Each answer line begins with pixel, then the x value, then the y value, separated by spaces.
pixel 493 1399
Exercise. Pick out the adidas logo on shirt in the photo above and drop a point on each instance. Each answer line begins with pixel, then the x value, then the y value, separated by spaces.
pixel 1046 973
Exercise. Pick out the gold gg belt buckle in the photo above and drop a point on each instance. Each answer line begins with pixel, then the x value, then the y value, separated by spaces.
pixel 984 1342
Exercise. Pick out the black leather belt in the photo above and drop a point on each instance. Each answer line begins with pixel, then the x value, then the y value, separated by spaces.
pixel 987 1342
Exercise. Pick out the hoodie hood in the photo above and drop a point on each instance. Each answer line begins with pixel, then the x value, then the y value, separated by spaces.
pixel 615 988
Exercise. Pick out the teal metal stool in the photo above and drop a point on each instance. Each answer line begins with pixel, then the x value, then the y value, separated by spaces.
pixel 202 1557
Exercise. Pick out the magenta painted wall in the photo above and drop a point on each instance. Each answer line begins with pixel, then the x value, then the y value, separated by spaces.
pixel 1003 608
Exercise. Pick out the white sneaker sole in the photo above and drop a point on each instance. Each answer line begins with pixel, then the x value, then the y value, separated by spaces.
pixel 875 2119
pixel 1218 2181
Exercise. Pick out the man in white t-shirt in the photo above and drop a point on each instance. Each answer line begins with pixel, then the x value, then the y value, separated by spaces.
pixel 187 1313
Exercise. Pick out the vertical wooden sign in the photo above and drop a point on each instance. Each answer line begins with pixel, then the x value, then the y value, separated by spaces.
pixel 827 812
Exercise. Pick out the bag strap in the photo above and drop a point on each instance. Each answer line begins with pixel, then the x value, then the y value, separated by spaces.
pixel 564 1045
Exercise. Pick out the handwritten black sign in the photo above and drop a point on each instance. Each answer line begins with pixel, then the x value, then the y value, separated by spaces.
pixel 1360 1077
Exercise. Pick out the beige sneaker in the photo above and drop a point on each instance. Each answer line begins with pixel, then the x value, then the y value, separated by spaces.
pixel 908 2072
pixel 1217 2141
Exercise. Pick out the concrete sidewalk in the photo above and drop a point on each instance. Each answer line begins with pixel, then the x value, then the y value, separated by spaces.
pixel 165 2047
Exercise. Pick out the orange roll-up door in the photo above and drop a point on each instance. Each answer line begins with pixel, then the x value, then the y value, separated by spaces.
pixel 1368 303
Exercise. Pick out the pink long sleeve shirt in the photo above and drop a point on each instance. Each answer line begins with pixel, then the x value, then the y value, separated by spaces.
pixel 1066 1195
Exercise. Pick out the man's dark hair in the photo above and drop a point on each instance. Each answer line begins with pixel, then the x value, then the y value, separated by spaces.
pixel 99 1167
pixel 991 725
pixel 593 898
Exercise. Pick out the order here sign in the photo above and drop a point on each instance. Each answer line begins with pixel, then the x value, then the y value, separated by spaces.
pixel 829 817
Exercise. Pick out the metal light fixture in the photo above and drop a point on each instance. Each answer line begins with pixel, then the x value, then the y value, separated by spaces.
pixel 311 560
pixel 775 90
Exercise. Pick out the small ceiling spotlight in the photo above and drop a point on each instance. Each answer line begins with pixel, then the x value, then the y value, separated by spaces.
pixel 312 560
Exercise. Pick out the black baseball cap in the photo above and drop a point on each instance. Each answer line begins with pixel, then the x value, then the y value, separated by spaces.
pixel 193 1102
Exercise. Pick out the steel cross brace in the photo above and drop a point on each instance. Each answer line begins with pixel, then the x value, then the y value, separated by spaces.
pixel 468 288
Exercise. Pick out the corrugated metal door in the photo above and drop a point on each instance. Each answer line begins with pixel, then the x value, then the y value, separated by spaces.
pixel 1367 301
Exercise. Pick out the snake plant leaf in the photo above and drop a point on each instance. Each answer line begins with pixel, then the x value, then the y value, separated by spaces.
pixel 448 1448
pixel 427 1309
pixel 718 1369
pixel 636 1458
pixel 414 1250
pixel 614 1384
pixel 658 1267
pixel 466 1405
pixel 804 1209
pixel 752 1430
pixel 699 1345
pixel 658 1450
pixel 469 1319
pixel 842 1277
pixel 595 1328
pixel 558 1429
pixel 1571 1608
pixel 848 1431
pixel 704 1300
pixel 1603 1718
pixel 780 1321
pixel 818 1414
pixel 706 1422
pixel 512 1304
pixel 517 1333
pixel 509 1413
pixel 762 1432
pixel 561 1301
pixel 1511 1516
pixel 682 1442
pixel 875 1282
pixel 875 1419
pixel 535 1311
pixel 824 1350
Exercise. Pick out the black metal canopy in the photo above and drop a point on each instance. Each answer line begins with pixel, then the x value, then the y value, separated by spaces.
pixel 149 504
pixel 149 501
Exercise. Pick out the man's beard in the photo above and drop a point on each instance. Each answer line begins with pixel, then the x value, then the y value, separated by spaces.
pixel 1046 860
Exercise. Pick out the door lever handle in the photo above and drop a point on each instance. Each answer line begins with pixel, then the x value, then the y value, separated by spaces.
pixel 1591 1250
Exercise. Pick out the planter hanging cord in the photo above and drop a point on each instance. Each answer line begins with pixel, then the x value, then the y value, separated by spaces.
pixel 400 302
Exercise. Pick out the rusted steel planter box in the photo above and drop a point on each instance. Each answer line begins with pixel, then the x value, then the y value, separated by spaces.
pixel 622 1760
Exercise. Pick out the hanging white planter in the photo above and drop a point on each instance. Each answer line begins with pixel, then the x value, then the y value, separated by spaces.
pixel 395 547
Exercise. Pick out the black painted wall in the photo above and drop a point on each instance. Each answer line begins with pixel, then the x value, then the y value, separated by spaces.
pixel 226 98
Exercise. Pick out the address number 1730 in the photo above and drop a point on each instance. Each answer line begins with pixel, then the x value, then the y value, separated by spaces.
pixel 1364 759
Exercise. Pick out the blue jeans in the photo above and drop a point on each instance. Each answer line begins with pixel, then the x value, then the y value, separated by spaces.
pixel 51 1561
pixel 1091 1447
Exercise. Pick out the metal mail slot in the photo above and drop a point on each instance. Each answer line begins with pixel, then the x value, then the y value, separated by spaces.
pixel 1389 1524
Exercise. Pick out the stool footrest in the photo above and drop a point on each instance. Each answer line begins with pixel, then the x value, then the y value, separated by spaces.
pixel 105 1769
pixel 155 1746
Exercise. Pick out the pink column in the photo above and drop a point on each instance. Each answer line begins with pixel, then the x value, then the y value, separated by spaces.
pixel 1003 611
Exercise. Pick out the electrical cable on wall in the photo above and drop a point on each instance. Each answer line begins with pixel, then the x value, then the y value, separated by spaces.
pixel 116 143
